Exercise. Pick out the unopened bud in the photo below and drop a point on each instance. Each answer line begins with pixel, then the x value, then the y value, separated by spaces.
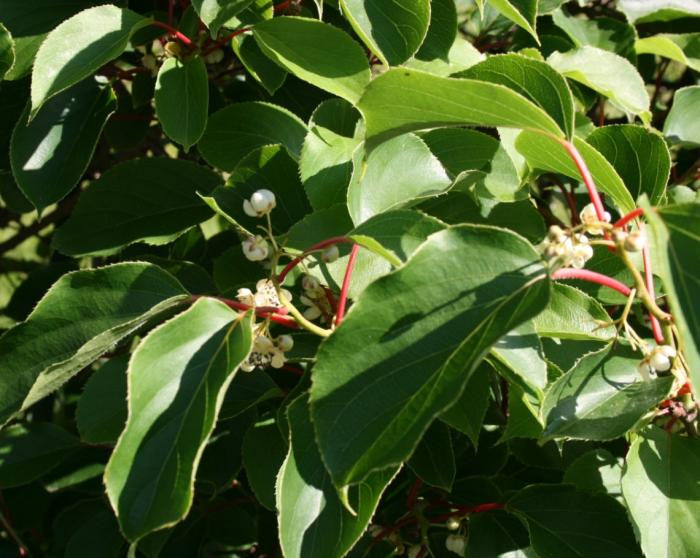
pixel 173 49
pixel 634 242
pixel 456 544
pixel 260 203
pixel 329 255
pixel 255 248
pixel 214 57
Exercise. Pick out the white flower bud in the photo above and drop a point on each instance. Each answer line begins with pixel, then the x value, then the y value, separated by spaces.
pixel 330 254
pixel 246 296
pixel 312 312
pixel 255 248
pixel 556 233
pixel 589 218
pixel 668 350
pixel 635 241
pixel 645 371
pixel 456 544
pixel 453 524
pixel 260 203
pixel 278 359
pixel 619 236
pixel 310 283
pixel 263 344
pixel 285 343
pixel 214 57
pixel 659 361
pixel 247 366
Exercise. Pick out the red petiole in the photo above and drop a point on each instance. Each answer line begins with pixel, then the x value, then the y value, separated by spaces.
pixel 174 32
pixel 342 299
pixel 592 277
pixel 275 314
pixel 315 248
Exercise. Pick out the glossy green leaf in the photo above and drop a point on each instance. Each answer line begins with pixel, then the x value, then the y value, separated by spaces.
pixel 534 80
pixel 674 236
pixel 442 31
pixel 639 156
pixel 433 460
pixel 30 22
pixel 683 48
pixel 602 396
pixel 662 493
pixel 216 13
pixel 82 316
pixel 639 11
pixel 246 391
pixel 272 168
pixel 264 70
pixel 98 535
pixel 597 471
pixel 182 99
pixel 524 419
pixel 497 534
pixel 264 451
pixel 7 51
pixel 402 100
pixel 467 413
pixel 545 153
pixel 78 47
pixel 398 172
pixel 50 154
pixel 572 314
pixel 521 12
pixel 520 351
pixel 600 32
pixel 433 341
pixel 566 522
pixel 312 521
pixel 153 200
pixel 240 128
pixel 101 412
pixel 461 55
pixel 607 73
pixel 681 124
pixel 28 451
pixel 150 476
pixel 392 30
pixel 325 165
pixel 316 52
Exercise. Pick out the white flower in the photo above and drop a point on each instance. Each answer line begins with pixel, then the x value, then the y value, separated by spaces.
pixel 255 248
pixel 456 544
pixel 330 254
pixel 266 294
pixel 285 343
pixel 590 221
pixel 265 353
pixel 313 311
pixel 567 250
pixel 635 241
pixel 260 203
pixel 310 283
pixel 246 296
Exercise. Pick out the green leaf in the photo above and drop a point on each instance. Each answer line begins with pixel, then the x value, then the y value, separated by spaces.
pixel 534 80
pixel 523 414
pixel 325 165
pixel 566 522
pixel 246 391
pixel 217 13
pixel 392 30
pixel 638 11
pixel 182 99
pixel 272 168
pixel 547 154
pixel 153 200
pixel 316 52
pixel 607 73
pixel 30 22
pixel 433 460
pixel 150 476
pixel 497 534
pixel 98 535
pixel 662 493
pixel 259 66
pixel 82 316
pixel 312 520
pixel 403 100
pixel 433 340
pixel 601 32
pixel 681 124
pixel 264 451
pixel 640 157
pixel 240 128
pixel 28 451
pixel 461 55
pixel 78 47
pixel 683 48
pixel 398 172
pixel 101 412
pixel 674 237
pixel 7 51
pixel 442 31
pixel 521 12
pixel 49 155
pixel 597 471
pixel 602 396
pixel 572 314
pixel 467 413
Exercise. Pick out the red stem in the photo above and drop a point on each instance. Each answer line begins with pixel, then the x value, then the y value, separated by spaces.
pixel 649 280
pixel 318 246
pixel 342 299
pixel 587 179
pixel 627 218
pixel 592 277
pixel 464 510
pixel 225 40
pixel 282 6
pixel 275 314
pixel 170 29
pixel 413 494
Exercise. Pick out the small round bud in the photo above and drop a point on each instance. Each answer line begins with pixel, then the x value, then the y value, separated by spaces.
pixel 634 242
pixel 285 343
pixel 263 344
pixel 214 57
pixel 556 233
pixel 172 49
pixel 668 351
pixel 456 544
pixel 619 236
pixel 277 360
pixel 255 248
pixel 310 283
pixel 260 203
pixel 453 524
pixel 330 254
pixel 659 361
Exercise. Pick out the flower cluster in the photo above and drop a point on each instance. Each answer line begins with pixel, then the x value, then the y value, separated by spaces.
pixel 265 295
pixel 268 352
pixel 591 223
pixel 314 298
pixel 566 248
pixel 658 360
